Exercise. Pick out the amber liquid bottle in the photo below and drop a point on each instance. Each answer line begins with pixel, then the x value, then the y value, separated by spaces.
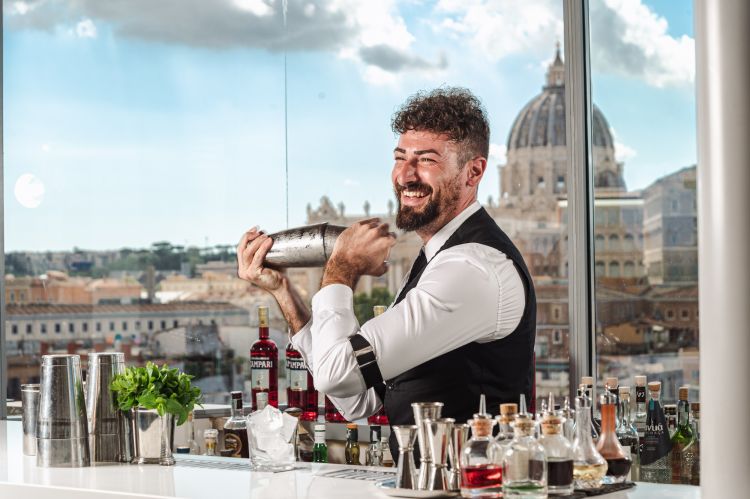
pixel 608 445
pixel 235 429
pixel 379 417
pixel 300 392
pixel 264 363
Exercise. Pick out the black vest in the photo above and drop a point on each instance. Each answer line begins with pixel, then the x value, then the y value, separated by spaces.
pixel 501 369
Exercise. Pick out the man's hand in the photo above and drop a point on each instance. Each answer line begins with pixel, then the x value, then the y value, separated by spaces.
pixel 251 252
pixel 361 249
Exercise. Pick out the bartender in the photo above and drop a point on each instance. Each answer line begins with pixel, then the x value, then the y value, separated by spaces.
pixel 463 323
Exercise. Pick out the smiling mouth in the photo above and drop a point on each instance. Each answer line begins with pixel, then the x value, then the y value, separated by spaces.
pixel 414 194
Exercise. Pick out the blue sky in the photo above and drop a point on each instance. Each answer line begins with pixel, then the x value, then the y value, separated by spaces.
pixel 147 122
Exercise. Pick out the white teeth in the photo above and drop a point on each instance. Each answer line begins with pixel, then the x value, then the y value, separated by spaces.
pixel 414 194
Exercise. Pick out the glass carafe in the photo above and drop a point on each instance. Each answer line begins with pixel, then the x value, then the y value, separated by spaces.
pixel 524 462
pixel 589 467
pixel 558 451
pixel 481 471
pixel 618 460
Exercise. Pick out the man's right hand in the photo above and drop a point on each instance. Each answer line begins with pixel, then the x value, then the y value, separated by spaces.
pixel 251 253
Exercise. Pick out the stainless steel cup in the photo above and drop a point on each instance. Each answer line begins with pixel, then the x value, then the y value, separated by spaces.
pixel 438 432
pixel 406 474
pixel 62 436
pixel 109 431
pixel 153 436
pixel 459 437
pixel 30 404
pixel 422 411
pixel 308 246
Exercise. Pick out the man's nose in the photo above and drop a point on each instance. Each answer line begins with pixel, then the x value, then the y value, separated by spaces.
pixel 408 172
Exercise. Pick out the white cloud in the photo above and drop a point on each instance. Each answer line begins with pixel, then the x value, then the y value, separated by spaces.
pixel 497 154
pixel 258 8
pixel 86 29
pixel 623 151
pixel 351 182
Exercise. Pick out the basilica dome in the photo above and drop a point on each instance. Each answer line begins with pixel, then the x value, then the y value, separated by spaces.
pixel 541 122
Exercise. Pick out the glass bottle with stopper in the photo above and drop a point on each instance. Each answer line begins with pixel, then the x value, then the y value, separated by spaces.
pixel 683 449
pixel 507 415
pixel 481 471
pixel 627 434
pixel 618 460
pixel 589 467
pixel 524 463
pixel 558 451
pixel 569 421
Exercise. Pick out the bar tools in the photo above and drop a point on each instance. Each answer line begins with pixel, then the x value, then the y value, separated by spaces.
pixel 459 437
pixel 30 403
pixel 438 434
pixel 422 411
pixel 62 435
pixel 308 246
pixel 110 438
pixel 406 474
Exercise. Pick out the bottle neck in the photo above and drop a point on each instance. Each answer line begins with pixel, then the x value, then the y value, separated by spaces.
pixel 624 411
pixel 263 332
pixel 583 424
pixel 608 418
pixel 320 437
pixel 236 408
pixel 683 414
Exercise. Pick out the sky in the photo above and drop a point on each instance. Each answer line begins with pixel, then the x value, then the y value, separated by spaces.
pixel 131 121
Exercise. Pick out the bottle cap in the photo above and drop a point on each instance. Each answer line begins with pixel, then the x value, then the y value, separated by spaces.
pixel 378 309
pixel 481 425
pixel 624 390
pixel 508 409
pixel 654 386
pixel 210 433
pixel 587 380
pixel 683 393
pixel 351 426
pixel 640 381
pixel 262 316
pixel 611 382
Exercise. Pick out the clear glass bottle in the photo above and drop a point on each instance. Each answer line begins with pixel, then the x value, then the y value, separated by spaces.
pixel 210 437
pixel 627 434
pixel 320 449
pixel 608 445
pixel 589 388
pixel 655 465
pixel 683 440
pixel 569 421
pixel 374 451
pixel 640 406
pixel 235 429
pixel 351 449
pixel 508 413
pixel 584 391
pixel 264 363
pixel 670 413
pixel 695 473
pixel 559 453
pixel 589 467
pixel 481 461
pixel 524 462
pixel 386 449
pixel 191 443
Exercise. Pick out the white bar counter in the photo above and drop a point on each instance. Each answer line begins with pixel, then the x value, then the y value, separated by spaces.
pixel 21 478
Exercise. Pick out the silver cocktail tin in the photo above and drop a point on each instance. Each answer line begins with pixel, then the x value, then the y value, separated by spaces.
pixel 109 429
pixel 308 246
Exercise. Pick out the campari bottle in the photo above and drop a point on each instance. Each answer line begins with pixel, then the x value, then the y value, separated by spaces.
pixel 332 414
pixel 264 363
pixel 300 392
pixel 379 418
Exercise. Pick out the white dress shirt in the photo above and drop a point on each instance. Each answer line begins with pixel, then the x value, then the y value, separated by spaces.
pixel 470 292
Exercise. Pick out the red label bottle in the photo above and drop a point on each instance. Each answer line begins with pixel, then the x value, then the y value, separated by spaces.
pixel 264 363
pixel 300 392
pixel 332 414
pixel 379 417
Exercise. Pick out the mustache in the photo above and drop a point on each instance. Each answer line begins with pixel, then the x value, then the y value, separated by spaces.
pixel 413 186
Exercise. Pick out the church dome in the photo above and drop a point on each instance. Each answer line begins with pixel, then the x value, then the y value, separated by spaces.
pixel 542 121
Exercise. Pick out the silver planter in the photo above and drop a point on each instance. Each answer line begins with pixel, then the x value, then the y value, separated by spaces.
pixel 153 437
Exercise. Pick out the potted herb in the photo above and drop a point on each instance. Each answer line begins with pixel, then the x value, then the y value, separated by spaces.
pixel 154 397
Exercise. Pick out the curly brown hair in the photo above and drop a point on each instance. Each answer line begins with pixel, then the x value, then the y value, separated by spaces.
pixel 453 111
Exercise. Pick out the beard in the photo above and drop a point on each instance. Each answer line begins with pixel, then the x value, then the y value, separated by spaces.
pixel 408 218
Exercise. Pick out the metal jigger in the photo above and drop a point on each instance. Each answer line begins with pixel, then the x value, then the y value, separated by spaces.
pixel 422 411
pixel 438 434
pixel 406 475
pixel 459 437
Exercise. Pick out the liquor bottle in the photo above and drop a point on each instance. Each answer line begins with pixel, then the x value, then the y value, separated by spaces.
pixel 670 413
pixel 683 440
pixel 569 422
pixel 559 453
pixel 332 415
pixel 589 467
pixel 612 384
pixel 320 449
pixel 481 460
pixel 524 462
pixel 301 391
pixel 628 435
pixel 589 391
pixel 191 443
pixel 351 449
pixel 210 437
pixel 618 459
pixel 640 406
pixel 584 391
pixel 507 415
pixel 235 429
pixel 695 473
pixel 380 417
pixel 655 465
pixel 264 363
pixel 374 451
pixel 386 449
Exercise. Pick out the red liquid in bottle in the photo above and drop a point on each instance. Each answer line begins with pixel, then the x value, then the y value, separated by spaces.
pixel 264 363
pixel 379 417
pixel 332 414
pixel 300 392
pixel 481 475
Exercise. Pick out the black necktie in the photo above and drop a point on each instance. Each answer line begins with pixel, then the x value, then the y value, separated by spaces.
pixel 419 264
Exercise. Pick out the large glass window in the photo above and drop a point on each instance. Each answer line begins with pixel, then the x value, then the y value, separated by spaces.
pixel 642 58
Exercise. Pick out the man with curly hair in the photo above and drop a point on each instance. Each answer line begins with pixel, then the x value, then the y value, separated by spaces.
pixel 464 321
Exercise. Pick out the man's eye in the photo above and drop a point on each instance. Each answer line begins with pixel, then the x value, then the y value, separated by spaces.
pixel 426 160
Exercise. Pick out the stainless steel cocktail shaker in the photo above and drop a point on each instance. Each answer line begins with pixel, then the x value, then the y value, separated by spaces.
pixel 308 246
pixel 109 427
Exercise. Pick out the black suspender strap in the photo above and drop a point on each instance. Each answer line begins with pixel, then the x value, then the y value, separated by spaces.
pixel 368 364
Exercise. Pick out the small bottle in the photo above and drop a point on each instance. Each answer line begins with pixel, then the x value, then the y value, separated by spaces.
pixel 655 465
pixel 584 391
pixel 386 449
pixel 191 443
pixel 618 460
pixel 300 391
pixel 374 451
pixel 332 415
pixel 590 392
pixel 628 435
pixel 524 461
pixel 683 440
pixel 481 461
pixel 559 453
pixel 264 363
pixel 235 429
pixel 320 449
pixel 613 384
pixel 351 450
pixel 695 473
pixel 569 422
pixel 589 467
pixel 507 415
pixel 210 437
pixel 380 417
pixel 640 406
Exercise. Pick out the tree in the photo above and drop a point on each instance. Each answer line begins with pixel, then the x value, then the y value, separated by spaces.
pixel 363 303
